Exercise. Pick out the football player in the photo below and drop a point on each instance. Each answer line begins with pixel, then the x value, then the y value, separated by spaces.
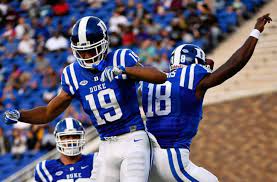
pixel 72 165
pixel 174 109
pixel 104 83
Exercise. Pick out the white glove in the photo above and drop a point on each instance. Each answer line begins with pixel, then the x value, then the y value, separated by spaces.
pixel 110 72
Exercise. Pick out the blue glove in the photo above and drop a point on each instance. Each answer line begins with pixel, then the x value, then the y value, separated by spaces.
pixel 11 116
pixel 111 72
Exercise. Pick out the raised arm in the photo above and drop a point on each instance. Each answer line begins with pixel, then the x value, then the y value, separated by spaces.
pixel 236 62
pixel 41 115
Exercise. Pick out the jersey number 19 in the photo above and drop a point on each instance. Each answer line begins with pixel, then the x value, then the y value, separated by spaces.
pixel 111 103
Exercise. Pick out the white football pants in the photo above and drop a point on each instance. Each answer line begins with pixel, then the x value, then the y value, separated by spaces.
pixel 173 164
pixel 124 158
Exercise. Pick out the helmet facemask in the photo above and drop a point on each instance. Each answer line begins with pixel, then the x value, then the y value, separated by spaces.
pixel 72 146
pixel 97 51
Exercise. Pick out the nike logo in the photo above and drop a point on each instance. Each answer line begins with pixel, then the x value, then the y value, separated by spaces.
pixel 84 167
pixel 137 140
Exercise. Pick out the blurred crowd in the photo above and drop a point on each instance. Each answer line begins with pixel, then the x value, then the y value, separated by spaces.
pixel 35 47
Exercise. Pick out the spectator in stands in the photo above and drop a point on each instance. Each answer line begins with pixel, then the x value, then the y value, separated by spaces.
pixel 21 28
pixel 11 16
pixel 115 39
pixel 128 36
pixel 241 10
pixel 175 30
pixel 161 62
pixel 9 96
pixel 26 5
pixel 32 142
pixel 4 143
pixel 231 18
pixel 9 31
pixel 61 8
pixel 48 140
pixel 11 47
pixel 57 42
pixel 18 144
pixel 47 26
pixel 50 78
pixel 4 8
pixel 96 3
pixel 26 45
pixel 49 81
pixel 116 20
pixel 140 11
pixel 176 5
pixel 3 72
pixel 131 7
pixel 40 44
pixel 147 51
pixel 41 63
pixel 34 138
pixel 152 28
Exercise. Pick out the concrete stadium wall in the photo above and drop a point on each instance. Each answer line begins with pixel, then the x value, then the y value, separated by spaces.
pixel 237 139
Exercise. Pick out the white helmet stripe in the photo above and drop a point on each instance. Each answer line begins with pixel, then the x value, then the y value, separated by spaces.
pixel 177 54
pixel 69 123
pixel 82 30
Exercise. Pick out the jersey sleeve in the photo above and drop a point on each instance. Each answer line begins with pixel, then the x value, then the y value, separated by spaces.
pixel 192 75
pixel 37 174
pixel 126 58
pixel 199 72
pixel 42 172
pixel 69 81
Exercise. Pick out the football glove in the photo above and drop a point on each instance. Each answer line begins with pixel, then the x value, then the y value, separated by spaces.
pixel 111 72
pixel 11 116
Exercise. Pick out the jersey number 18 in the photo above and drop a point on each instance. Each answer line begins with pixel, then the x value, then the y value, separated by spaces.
pixel 156 91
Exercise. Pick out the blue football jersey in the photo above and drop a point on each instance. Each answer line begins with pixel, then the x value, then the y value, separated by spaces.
pixel 172 110
pixel 55 170
pixel 112 106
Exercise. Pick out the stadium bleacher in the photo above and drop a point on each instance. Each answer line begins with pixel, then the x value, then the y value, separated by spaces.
pixel 24 86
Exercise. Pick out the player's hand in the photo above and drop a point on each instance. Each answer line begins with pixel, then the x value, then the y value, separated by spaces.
pixel 110 72
pixel 261 21
pixel 210 63
pixel 11 116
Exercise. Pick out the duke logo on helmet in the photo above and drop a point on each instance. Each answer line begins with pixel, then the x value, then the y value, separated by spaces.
pixel 187 54
pixel 90 36
pixel 69 146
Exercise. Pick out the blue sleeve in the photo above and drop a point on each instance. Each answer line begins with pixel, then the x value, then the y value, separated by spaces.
pixel 66 82
pixel 131 59
pixel 126 58
pixel 200 72
pixel 36 175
